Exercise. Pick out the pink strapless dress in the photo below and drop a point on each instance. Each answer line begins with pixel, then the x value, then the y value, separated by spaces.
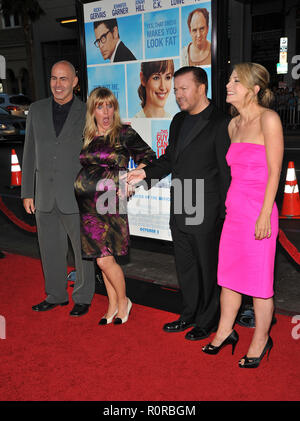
pixel 246 265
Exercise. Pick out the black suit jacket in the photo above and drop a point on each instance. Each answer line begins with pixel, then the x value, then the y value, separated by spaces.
pixel 202 157
pixel 123 53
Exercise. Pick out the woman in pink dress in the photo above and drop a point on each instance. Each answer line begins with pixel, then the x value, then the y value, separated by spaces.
pixel 248 240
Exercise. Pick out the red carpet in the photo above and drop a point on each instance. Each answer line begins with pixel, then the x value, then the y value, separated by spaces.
pixel 54 357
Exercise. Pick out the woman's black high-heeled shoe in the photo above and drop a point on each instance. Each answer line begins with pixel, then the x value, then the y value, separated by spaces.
pixel 254 362
pixel 232 339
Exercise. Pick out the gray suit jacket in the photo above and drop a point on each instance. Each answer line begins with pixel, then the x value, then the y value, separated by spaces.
pixel 51 164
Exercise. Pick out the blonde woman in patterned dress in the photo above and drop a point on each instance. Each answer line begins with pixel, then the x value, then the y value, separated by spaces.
pixel 108 145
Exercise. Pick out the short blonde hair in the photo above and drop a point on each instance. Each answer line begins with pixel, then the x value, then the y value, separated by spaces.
pixel 251 75
pixel 97 97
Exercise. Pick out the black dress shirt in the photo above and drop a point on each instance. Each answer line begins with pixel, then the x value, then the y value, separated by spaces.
pixel 60 114
pixel 189 121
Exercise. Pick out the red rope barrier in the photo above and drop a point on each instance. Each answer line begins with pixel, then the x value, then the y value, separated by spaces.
pixel 289 247
pixel 14 219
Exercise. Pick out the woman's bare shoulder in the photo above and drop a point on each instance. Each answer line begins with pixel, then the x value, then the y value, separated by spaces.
pixel 271 127
pixel 269 116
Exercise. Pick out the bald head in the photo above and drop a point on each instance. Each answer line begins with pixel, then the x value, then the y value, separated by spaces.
pixel 63 81
pixel 65 63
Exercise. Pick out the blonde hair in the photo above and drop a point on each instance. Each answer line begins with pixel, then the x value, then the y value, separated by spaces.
pixel 97 97
pixel 251 75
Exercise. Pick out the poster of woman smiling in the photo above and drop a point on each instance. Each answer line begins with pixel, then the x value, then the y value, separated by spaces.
pixel 150 84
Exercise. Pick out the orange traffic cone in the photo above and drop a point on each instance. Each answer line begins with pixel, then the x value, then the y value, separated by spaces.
pixel 291 199
pixel 16 173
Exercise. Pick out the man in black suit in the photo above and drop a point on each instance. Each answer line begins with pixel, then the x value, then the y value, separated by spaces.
pixel 198 143
pixel 109 43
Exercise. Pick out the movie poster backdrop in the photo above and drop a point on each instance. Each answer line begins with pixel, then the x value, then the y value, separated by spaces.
pixel 152 33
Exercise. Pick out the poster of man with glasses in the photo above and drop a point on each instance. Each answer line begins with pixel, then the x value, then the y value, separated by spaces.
pixel 107 39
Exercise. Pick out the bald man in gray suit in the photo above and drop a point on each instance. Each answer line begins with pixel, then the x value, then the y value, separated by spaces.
pixel 50 164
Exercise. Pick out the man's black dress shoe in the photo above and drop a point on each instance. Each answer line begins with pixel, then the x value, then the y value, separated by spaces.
pixel 177 326
pixel 198 333
pixel 79 309
pixel 45 306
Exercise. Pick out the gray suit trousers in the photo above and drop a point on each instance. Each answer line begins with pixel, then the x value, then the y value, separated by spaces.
pixel 54 228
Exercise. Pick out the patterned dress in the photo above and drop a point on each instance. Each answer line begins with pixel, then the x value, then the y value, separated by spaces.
pixel 103 219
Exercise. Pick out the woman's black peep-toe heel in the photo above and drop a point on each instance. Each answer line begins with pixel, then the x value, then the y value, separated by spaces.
pixel 254 362
pixel 232 339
